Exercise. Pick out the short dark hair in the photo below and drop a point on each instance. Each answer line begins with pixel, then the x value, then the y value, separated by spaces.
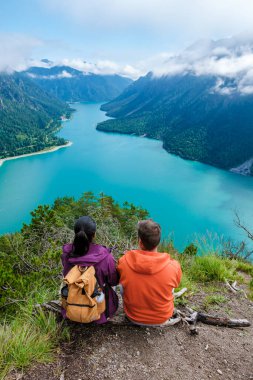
pixel 149 232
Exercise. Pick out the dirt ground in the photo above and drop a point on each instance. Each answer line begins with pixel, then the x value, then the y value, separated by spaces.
pixel 115 352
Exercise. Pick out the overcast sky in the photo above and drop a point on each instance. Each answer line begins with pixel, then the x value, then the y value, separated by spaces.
pixel 127 34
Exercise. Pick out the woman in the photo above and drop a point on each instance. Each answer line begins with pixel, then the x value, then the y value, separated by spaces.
pixel 84 252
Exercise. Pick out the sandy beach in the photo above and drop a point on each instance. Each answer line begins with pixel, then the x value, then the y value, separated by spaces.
pixel 50 150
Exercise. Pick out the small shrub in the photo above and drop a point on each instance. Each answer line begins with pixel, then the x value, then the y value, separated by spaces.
pixel 191 250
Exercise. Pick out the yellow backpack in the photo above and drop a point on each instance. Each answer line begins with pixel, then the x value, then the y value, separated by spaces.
pixel 82 298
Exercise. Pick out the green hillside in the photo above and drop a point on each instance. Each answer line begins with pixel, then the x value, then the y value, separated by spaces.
pixel 29 116
pixel 191 119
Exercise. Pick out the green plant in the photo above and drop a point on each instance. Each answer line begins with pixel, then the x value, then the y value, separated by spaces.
pixel 215 299
pixel 191 250
pixel 210 243
pixel 209 268
pixel 211 287
pixel 244 267
pixel 251 290
pixel 182 301
pixel 187 282
pixel 29 338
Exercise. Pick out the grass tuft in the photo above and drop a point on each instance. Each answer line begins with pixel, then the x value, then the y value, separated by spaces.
pixel 29 338
pixel 209 268
pixel 244 267
pixel 215 299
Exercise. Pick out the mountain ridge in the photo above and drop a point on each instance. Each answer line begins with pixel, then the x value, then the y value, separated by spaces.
pixel 72 85
pixel 188 115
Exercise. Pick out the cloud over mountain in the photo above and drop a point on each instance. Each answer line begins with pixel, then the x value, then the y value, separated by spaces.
pixel 230 60
pixel 100 67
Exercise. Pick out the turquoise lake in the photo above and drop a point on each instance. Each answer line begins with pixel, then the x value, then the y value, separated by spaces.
pixel 184 197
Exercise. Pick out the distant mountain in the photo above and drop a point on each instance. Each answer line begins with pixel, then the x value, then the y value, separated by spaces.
pixel 29 116
pixel 199 116
pixel 72 85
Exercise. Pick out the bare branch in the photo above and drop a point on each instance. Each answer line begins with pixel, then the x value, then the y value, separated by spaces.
pixel 239 224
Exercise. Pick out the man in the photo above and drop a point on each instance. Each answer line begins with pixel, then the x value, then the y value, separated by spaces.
pixel 148 278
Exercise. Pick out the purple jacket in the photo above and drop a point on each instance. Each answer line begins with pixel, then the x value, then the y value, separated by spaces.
pixel 105 267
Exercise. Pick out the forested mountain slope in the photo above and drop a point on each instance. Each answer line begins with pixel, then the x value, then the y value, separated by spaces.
pixel 73 85
pixel 29 116
pixel 188 115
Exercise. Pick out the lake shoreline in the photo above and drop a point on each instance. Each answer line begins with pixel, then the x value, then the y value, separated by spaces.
pixel 49 150
pixel 180 155
pixel 244 169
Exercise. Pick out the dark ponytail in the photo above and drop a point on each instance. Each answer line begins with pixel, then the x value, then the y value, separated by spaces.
pixel 80 244
pixel 85 229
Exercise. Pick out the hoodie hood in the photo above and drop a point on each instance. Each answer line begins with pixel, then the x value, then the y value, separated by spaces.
pixel 95 254
pixel 146 262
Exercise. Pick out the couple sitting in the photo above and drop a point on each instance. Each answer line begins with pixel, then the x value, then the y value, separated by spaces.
pixel 147 277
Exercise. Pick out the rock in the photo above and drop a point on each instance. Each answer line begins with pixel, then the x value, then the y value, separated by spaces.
pixel 219 371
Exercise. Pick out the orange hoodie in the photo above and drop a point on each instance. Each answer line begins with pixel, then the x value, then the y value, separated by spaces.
pixel 148 279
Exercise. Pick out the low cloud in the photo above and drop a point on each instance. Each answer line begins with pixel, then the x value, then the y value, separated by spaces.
pixel 63 74
pixel 15 50
pixel 100 67
pixel 230 60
